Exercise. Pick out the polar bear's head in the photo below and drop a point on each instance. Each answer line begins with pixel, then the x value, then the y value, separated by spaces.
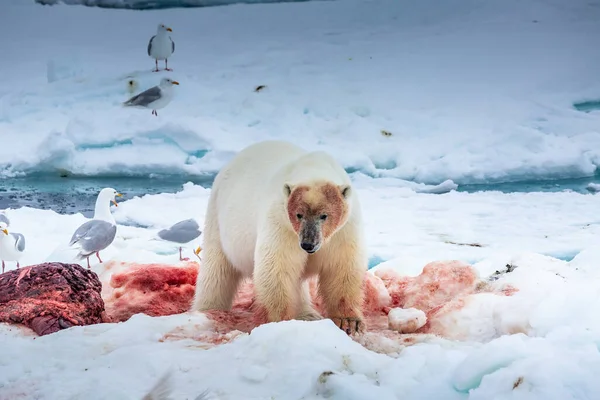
pixel 316 212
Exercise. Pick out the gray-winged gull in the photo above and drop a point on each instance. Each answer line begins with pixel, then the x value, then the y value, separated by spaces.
pixel 98 233
pixel 155 98
pixel 182 232
pixel 163 388
pixel 12 245
pixel 161 46
pixel 4 218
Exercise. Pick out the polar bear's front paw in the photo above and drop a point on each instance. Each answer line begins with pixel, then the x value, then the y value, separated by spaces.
pixel 350 325
pixel 309 315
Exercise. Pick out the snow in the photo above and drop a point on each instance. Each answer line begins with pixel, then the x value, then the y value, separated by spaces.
pixel 593 187
pixel 406 320
pixel 469 92
pixel 487 344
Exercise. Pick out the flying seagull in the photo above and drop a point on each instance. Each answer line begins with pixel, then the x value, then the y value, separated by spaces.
pixel 161 46
pixel 155 98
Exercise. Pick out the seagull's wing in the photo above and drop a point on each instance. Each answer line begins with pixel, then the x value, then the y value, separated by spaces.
pixel 187 224
pixel 145 98
pixel 19 241
pixel 161 389
pixel 4 218
pixel 150 44
pixel 202 396
pixel 94 235
pixel 172 45
pixel 182 232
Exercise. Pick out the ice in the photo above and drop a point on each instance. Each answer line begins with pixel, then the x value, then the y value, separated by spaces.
pixel 543 338
pixel 485 361
pixel 406 320
pixel 470 92
pixel 593 187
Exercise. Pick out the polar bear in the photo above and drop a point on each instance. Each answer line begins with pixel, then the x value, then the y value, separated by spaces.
pixel 280 214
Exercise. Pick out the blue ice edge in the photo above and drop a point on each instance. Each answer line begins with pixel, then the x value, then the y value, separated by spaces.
pixel 375 261
pixel 564 256
pixel 197 149
pixel 130 142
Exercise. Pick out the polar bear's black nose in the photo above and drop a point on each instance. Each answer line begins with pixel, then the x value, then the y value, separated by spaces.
pixel 308 247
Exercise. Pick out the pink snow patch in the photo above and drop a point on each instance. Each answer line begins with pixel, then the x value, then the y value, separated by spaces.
pixel 152 289
pixel 441 289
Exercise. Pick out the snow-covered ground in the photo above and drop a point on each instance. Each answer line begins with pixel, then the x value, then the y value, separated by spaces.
pixel 545 336
pixel 471 91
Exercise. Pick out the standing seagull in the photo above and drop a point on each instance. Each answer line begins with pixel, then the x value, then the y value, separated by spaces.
pixel 98 233
pixel 155 98
pixel 12 245
pixel 161 46
pixel 182 232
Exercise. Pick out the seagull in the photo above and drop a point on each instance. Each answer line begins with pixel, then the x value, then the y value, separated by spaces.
pixel 161 46
pixel 12 245
pixel 98 233
pixel 154 98
pixel 182 232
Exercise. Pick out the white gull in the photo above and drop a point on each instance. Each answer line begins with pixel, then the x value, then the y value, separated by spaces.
pixel 161 46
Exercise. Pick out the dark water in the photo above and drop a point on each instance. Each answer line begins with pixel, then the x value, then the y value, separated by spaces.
pixel 578 185
pixel 71 195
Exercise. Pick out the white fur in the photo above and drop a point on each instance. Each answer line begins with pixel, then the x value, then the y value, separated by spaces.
pixel 247 233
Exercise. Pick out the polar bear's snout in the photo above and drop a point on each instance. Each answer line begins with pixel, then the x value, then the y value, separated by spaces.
pixel 316 211
pixel 310 236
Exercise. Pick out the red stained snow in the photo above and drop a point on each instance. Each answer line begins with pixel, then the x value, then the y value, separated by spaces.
pixel 152 289
pixel 155 289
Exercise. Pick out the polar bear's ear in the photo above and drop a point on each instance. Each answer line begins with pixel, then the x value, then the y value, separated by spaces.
pixel 345 190
pixel 287 190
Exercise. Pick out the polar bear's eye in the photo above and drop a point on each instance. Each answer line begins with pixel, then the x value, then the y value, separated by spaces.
pixel 323 217
pixel 299 216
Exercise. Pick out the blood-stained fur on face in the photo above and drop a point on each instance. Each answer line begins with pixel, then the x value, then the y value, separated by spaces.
pixel 316 212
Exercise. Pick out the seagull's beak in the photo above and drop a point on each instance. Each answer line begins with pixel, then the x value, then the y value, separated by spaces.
pixel 169 29
pixel 5 231
pixel 175 83
pixel 198 250
pixel 114 201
